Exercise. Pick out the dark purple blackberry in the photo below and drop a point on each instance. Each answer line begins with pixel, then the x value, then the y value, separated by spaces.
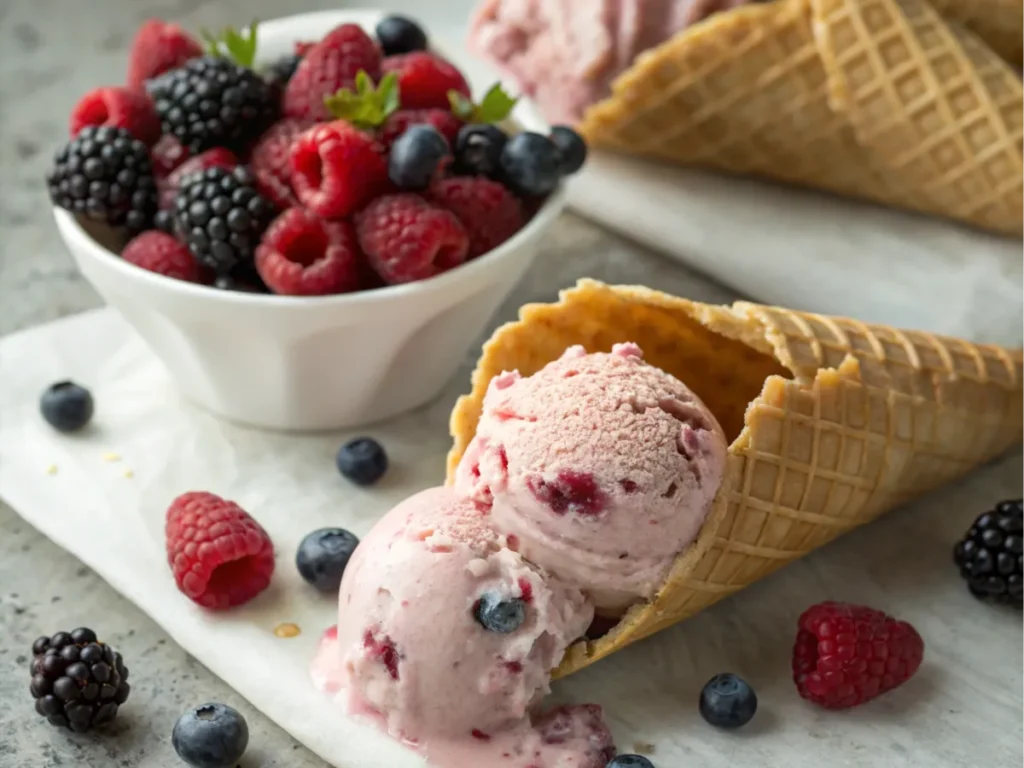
pixel 278 73
pixel 991 554
pixel 105 175
pixel 77 681
pixel 213 102
pixel 221 217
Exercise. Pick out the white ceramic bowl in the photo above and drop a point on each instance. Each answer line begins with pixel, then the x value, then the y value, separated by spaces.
pixel 321 362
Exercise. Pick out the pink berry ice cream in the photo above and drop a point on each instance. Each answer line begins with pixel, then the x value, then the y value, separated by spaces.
pixel 447 637
pixel 599 468
pixel 565 53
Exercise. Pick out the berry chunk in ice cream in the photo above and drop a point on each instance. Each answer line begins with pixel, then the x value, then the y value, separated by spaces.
pixel 447 637
pixel 599 468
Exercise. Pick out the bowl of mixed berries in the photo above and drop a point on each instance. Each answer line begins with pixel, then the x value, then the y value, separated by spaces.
pixel 308 220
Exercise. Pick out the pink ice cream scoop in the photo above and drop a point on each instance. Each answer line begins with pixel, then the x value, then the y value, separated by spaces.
pixel 565 53
pixel 599 468
pixel 447 638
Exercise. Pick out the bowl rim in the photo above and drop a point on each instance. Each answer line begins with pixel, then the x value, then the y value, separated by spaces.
pixel 77 237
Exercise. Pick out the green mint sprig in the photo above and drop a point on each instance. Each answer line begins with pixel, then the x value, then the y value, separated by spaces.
pixel 368 106
pixel 232 44
pixel 494 107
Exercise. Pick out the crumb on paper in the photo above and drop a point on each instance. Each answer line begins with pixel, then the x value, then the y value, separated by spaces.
pixel 643 747
pixel 129 474
pixel 52 469
pixel 287 630
pixel 111 456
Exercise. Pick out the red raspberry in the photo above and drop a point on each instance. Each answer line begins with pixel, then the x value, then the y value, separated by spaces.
pixel 846 655
pixel 167 154
pixel 218 157
pixel 303 47
pixel 406 239
pixel 220 556
pixel 425 79
pixel 270 160
pixel 163 254
pixel 158 47
pixel 489 212
pixel 119 108
pixel 447 124
pixel 328 66
pixel 302 255
pixel 336 169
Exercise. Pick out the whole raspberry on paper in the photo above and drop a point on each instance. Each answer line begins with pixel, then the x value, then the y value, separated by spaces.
pixel 327 67
pixel 488 211
pixel 407 239
pixel 159 47
pixel 845 655
pixel 220 556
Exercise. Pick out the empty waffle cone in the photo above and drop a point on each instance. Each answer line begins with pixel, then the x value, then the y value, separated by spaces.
pixel 876 99
pixel 831 422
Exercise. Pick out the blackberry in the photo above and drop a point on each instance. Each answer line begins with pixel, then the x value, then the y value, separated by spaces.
pixel 77 681
pixel 105 175
pixel 213 102
pixel 164 221
pixel 221 217
pixel 991 554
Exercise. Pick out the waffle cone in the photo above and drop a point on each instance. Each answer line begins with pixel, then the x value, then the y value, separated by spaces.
pixel 875 99
pixel 831 422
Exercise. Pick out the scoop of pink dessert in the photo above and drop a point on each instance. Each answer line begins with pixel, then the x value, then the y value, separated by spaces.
pixel 599 468
pixel 565 53
pixel 416 650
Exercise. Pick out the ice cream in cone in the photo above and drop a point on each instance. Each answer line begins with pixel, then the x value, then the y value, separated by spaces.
pixel 830 422
pixel 885 100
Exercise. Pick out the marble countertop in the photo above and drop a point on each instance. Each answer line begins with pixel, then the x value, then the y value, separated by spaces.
pixel 52 51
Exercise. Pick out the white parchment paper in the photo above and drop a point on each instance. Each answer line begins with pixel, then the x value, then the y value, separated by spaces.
pixel 963 709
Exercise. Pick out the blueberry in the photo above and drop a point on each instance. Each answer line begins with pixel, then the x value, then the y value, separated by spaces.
pixel 478 149
pixel 572 146
pixel 211 736
pixel 66 406
pixel 397 34
pixel 323 555
pixel 727 701
pixel 630 761
pixel 530 164
pixel 362 461
pixel 498 615
pixel 415 157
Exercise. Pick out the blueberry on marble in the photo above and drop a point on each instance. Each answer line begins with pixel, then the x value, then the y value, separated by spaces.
pixel 211 736
pixel 323 555
pixel 363 461
pixel 498 614
pixel 66 406
pixel 728 701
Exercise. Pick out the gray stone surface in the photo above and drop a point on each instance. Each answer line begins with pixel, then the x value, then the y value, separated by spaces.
pixel 52 51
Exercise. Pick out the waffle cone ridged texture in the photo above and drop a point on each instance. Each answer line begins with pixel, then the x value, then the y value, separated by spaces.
pixel 876 99
pixel 831 422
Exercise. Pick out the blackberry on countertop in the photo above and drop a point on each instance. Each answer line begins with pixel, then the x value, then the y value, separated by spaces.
pixel 214 102
pixel 77 681
pixel 221 217
pixel 105 175
pixel 991 554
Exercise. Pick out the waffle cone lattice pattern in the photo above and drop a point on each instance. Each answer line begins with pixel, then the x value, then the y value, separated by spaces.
pixel 878 99
pixel 832 422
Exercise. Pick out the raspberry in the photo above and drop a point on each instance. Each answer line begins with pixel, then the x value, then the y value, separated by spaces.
pixel 489 212
pixel 167 154
pixel 159 252
pixel 328 66
pixel 846 655
pixel 158 47
pixel 220 556
pixel 406 239
pixel 211 158
pixel 301 255
pixel 447 124
pixel 119 108
pixel 270 161
pixel 336 169
pixel 425 79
